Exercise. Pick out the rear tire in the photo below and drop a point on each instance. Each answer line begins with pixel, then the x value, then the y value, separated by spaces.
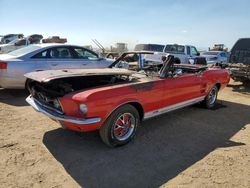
pixel 211 98
pixel 120 127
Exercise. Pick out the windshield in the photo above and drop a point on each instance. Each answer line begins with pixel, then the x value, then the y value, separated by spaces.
pixel 24 50
pixel 210 53
pixel 174 48
pixel 149 47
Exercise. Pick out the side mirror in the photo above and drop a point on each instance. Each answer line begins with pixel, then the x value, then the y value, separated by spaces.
pixel 198 54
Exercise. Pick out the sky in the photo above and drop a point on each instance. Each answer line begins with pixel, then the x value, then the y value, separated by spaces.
pixel 194 22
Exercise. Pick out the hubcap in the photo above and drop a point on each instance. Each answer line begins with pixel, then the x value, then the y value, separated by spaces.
pixel 124 126
pixel 212 96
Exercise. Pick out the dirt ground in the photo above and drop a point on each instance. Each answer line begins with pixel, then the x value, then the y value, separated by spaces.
pixel 191 147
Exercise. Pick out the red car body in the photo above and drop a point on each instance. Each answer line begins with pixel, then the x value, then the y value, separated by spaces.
pixel 149 95
pixel 151 98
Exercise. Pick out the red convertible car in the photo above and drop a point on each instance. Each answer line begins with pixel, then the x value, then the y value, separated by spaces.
pixel 115 100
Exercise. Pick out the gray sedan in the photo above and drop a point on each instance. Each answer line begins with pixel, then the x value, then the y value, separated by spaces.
pixel 214 57
pixel 41 57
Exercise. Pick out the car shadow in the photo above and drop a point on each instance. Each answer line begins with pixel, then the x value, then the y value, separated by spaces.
pixel 164 147
pixel 243 88
pixel 15 97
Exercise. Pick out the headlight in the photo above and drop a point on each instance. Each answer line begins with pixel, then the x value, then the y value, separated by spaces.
pixel 83 108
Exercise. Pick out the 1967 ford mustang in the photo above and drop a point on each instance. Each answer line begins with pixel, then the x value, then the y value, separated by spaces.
pixel 115 101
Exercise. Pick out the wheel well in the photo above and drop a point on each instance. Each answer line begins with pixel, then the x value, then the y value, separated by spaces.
pixel 218 86
pixel 138 107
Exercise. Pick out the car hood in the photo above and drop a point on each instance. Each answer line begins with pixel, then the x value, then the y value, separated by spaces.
pixel 46 76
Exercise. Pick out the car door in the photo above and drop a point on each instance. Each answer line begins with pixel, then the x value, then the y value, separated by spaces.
pixel 88 59
pixel 193 53
pixel 61 57
pixel 183 88
pixel 26 64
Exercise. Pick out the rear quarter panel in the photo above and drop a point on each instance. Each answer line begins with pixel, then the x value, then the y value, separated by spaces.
pixel 216 76
pixel 13 76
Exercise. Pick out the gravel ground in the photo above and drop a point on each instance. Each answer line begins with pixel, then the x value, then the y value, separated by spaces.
pixel 191 147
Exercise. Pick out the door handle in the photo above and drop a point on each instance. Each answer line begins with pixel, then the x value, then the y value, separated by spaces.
pixel 54 64
pixel 84 63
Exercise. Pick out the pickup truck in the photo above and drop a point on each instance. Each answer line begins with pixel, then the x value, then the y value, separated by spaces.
pixel 185 54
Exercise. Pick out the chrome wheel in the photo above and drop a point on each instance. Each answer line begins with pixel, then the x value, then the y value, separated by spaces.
pixel 120 127
pixel 124 126
pixel 212 96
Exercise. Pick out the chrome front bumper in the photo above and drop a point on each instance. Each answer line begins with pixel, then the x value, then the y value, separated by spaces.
pixel 60 117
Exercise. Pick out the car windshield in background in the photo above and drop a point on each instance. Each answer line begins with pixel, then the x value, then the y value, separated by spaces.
pixel 174 48
pixel 149 47
pixel 24 50
pixel 210 53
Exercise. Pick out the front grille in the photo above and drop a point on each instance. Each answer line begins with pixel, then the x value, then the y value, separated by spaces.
pixel 47 102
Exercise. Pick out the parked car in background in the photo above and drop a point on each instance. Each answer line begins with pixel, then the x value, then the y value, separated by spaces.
pixel 115 101
pixel 151 58
pixel 240 60
pixel 39 57
pixel 54 39
pixel 149 47
pixel 215 57
pixel 20 43
pixel 5 39
pixel 185 54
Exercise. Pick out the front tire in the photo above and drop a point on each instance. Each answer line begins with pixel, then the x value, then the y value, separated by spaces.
pixel 211 98
pixel 120 127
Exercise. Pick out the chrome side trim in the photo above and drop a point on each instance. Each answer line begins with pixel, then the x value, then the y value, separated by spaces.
pixel 173 107
pixel 60 117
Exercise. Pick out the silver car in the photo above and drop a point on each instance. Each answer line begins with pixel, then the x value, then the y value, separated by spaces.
pixel 39 57
pixel 214 57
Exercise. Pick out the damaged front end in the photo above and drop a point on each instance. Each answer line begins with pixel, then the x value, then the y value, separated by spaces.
pixel 49 88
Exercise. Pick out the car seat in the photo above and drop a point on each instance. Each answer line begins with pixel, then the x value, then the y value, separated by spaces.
pixel 55 53
pixel 64 54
